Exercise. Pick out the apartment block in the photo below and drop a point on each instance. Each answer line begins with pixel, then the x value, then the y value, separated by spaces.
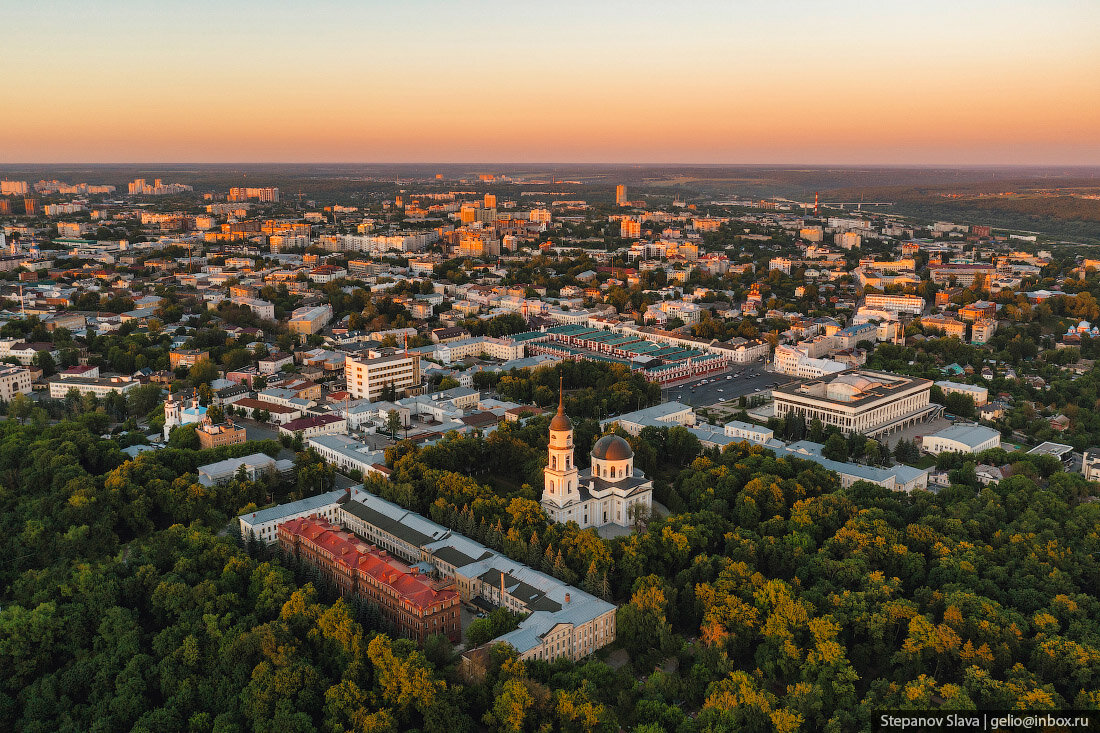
pixel 367 378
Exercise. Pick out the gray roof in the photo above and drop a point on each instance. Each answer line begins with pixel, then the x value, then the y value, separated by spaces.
pixel 293 508
pixel 968 434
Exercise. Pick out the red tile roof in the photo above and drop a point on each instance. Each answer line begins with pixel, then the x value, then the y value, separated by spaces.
pixel 356 555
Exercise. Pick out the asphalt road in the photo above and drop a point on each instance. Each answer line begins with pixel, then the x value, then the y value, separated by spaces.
pixel 719 389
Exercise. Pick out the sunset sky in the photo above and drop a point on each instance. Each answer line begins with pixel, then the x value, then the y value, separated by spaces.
pixel 736 81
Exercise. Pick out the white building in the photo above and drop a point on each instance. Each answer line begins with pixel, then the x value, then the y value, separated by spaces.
pixel 962 438
pixel 262 524
pixel 611 491
pixel 747 431
pixel 100 387
pixel 793 361
pixel 859 401
pixel 176 413
pixel 896 303
pixel 347 453
pixel 14 380
pixel 980 395
pixel 254 465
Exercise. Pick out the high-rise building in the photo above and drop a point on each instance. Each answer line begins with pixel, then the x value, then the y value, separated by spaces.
pixel 264 195
pixel 620 195
pixel 31 207
pixel 630 228
pixel 14 188
pixel 490 201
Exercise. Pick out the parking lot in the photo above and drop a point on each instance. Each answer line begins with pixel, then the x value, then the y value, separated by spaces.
pixel 742 380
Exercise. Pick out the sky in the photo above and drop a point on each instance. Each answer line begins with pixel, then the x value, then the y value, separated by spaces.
pixel 670 81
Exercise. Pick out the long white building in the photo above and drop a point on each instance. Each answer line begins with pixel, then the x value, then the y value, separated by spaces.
pixel 859 401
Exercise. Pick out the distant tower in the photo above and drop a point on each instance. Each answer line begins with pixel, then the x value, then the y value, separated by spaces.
pixel 560 477
pixel 171 414
pixel 490 201
pixel 815 203
pixel 620 195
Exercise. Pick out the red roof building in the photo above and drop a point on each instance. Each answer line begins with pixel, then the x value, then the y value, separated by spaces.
pixel 416 604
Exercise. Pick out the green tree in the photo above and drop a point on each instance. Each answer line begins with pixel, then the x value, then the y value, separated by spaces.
pixel 835 448
pixel 203 371
pixel 393 424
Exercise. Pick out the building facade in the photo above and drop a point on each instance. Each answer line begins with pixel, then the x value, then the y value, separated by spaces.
pixel 368 378
pixel 14 380
pixel 859 401
pixel 415 603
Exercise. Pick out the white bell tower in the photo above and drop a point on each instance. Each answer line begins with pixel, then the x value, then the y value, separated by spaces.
pixel 560 477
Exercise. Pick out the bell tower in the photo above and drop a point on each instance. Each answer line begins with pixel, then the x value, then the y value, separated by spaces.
pixel 560 477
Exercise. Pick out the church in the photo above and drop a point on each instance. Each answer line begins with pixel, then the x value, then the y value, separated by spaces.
pixel 611 491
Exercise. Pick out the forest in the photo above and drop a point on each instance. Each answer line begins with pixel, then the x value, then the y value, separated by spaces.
pixel 770 598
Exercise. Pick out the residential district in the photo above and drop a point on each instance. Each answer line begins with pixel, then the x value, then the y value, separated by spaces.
pixel 915 356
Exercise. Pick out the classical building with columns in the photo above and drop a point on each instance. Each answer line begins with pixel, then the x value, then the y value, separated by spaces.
pixel 611 491
pixel 859 401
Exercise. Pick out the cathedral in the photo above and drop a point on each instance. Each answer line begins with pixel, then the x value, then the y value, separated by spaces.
pixel 611 491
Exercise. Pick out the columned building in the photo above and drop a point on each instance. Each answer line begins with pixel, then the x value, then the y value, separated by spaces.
pixel 859 401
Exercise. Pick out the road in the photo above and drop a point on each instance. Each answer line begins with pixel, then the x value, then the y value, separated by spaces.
pixel 720 389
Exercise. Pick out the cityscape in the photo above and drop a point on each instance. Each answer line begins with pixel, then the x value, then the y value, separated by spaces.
pixel 677 417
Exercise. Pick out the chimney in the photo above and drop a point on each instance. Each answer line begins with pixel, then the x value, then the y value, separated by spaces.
pixel 567 598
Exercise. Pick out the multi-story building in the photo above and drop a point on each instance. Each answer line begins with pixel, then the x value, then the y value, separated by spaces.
pixel 348 454
pixel 620 195
pixel 811 234
pixel 1090 465
pixel 100 387
pixel 415 603
pixel 264 195
pixel 262 308
pixel 978 311
pixel 367 378
pixel 14 380
pixel 630 228
pixel 186 357
pixel 216 436
pixel 14 188
pixel 859 401
pixel 263 524
pixel 982 331
pixel 253 466
pixel 980 395
pixel 896 303
pixel 962 274
pixel 309 320
pixel 782 264
pixel 747 431
pixel 949 326
pixel 794 362
pixel 562 621
pixel 848 240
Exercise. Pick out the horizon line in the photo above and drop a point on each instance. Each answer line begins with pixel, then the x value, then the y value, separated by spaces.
pixel 1096 165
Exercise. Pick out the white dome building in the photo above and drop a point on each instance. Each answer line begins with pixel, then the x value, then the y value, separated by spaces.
pixel 611 491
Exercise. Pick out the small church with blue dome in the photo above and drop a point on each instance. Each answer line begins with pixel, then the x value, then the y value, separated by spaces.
pixel 611 491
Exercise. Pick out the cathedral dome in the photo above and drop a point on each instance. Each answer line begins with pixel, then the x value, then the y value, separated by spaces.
pixel 612 448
